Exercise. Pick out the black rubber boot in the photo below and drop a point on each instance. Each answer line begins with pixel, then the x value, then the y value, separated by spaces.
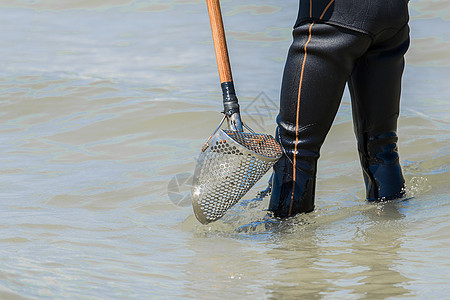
pixel 290 195
pixel 381 168
pixel 289 198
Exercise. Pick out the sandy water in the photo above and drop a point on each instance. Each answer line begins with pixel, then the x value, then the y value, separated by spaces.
pixel 104 106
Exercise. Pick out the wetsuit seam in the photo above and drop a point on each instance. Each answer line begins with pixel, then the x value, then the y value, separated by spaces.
pixel 310 8
pixel 302 72
pixel 298 102
pixel 390 28
pixel 334 23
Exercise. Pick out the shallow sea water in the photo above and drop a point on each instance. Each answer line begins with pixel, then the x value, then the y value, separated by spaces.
pixel 104 106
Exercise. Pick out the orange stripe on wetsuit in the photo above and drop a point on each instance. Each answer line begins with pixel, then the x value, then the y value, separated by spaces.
pixel 298 98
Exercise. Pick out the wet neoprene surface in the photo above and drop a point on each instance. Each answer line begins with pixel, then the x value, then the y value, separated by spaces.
pixel 371 17
pixel 321 60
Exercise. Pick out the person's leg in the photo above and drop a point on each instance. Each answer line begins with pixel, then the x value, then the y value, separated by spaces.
pixel 375 86
pixel 317 68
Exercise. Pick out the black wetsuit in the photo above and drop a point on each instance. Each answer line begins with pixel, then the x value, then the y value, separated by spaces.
pixel 358 42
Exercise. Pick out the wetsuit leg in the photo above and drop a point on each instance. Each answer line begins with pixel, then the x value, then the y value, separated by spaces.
pixel 318 65
pixel 375 85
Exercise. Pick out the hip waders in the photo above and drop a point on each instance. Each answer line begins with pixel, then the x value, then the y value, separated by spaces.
pixel 321 60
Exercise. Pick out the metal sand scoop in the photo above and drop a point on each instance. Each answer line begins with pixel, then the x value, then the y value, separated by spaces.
pixel 232 160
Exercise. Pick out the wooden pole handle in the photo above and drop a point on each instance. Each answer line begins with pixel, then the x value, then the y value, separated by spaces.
pixel 220 43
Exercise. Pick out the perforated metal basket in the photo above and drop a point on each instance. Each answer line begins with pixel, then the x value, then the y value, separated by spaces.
pixel 230 164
